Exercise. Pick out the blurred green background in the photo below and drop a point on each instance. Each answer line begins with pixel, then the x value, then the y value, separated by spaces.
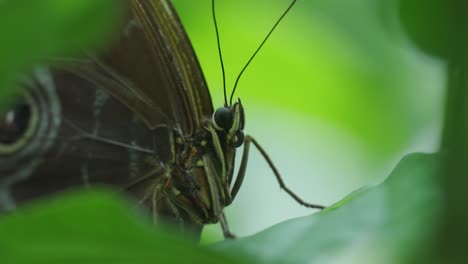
pixel 337 96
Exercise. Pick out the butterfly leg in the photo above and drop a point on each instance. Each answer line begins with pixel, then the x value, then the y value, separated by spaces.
pixel 157 198
pixel 175 203
pixel 226 232
pixel 243 166
pixel 195 223
pixel 217 192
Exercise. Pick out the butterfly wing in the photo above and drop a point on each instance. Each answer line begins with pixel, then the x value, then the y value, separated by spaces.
pixel 106 118
pixel 166 33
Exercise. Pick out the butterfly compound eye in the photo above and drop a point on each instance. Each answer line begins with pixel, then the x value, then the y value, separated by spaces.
pixel 222 119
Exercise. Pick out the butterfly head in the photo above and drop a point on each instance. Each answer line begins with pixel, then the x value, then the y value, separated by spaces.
pixel 230 121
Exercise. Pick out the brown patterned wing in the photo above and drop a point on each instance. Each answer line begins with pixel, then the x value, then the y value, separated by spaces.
pixel 106 118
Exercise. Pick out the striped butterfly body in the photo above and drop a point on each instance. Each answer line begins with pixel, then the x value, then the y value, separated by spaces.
pixel 138 116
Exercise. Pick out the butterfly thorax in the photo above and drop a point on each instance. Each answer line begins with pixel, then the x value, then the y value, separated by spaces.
pixel 201 172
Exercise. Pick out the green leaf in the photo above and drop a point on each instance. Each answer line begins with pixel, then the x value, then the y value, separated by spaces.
pixel 92 227
pixel 440 28
pixel 34 30
pixel 385 223
pixel 434 25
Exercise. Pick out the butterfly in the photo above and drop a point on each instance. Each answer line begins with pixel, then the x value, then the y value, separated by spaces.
pixel 139 117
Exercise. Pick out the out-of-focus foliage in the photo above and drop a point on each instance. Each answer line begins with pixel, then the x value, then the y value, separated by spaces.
pixel 373 225
pixel 441 28
pixel 33 30
pixel 92 227
pixel 450 40
pixel 433 25
pixel 385 223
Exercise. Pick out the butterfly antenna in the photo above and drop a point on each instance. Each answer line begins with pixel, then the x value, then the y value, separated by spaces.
pixel 219 52
pixel 258 49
